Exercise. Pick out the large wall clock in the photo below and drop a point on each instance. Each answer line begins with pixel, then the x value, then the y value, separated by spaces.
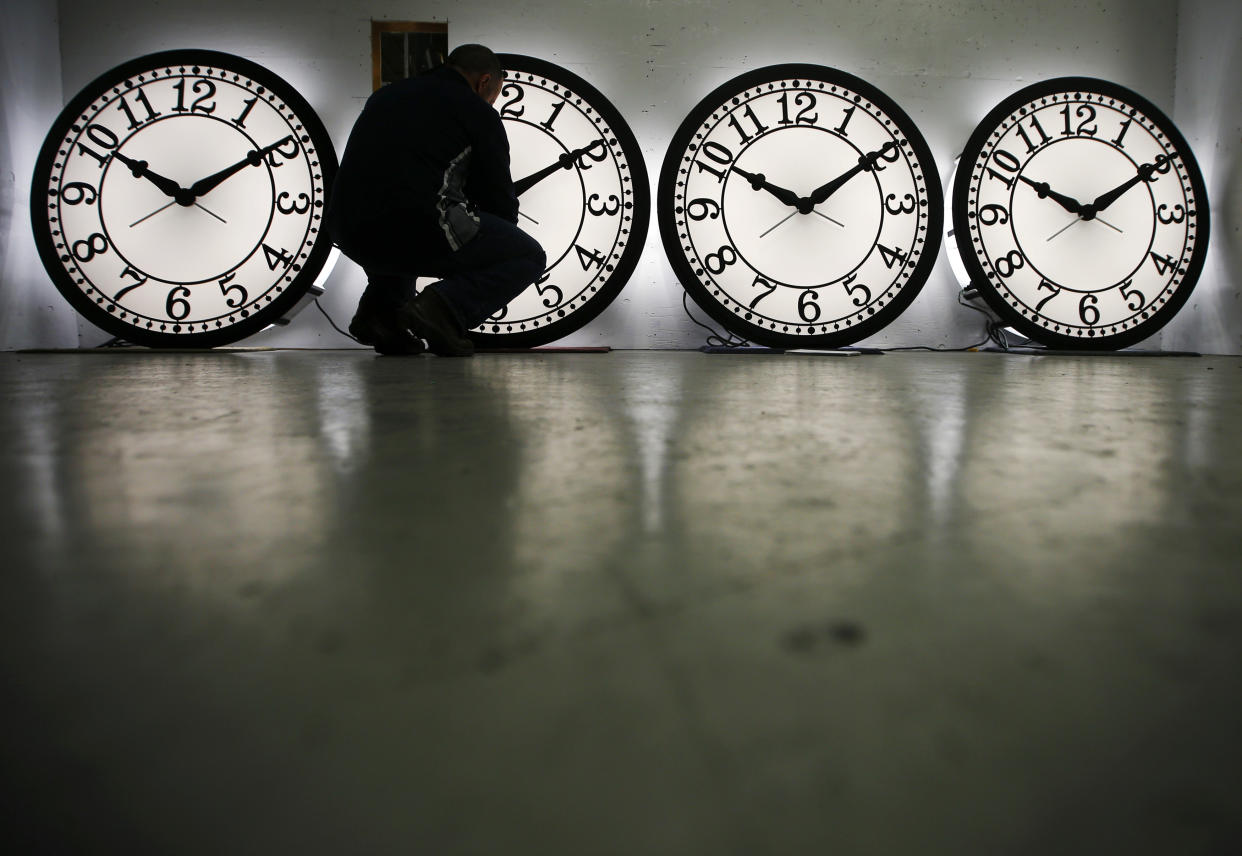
pixel 177 199
pixel 1080 214
pixel 800 207
pixel 583 191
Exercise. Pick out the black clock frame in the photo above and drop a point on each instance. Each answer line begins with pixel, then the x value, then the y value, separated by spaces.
pixel 283 306
pixel 962 220
pixel 690 281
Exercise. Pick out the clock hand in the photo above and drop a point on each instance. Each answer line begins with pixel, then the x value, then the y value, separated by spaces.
pixel 205 185
pixel 758 181
pixel 168 205
pixel 565 161
pixel 773 229
pixel 1103 201
pixel 140 169
pixel 1069 203
pixel 1079 220
pixel 866 163
pixel 152 214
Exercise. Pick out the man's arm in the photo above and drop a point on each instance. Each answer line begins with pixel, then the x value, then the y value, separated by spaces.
pixel 490 185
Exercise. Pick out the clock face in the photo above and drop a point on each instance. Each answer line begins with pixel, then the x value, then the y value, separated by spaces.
pixel 800 207
pixel 1080 214
pixel 583 194
pixel 177 200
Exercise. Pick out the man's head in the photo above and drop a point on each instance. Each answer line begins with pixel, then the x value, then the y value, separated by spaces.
pixel 481 69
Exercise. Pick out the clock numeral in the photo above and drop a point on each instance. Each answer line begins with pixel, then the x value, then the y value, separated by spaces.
pixel 556 111
pixel 77 193
pixel 766 287
pixel 134 122
pixel 718 153
pixel 1125 126
pixel 226 290
pixel 556 298
pixel 855 298
pixel 849 114
pixel 276 259
pixel 1050 286
pixel 804 116
pixel 85 250
pixel 138 275
pixel 294 207
pixel 507 109
pixel 240 121
pixel 900 208
pixel 1006 161
pixel 287 143
pixel 205 89
pixel 586 257
pixel 893 258
pixel 749 114
pixel 1087 310
pixel 701 209
pixel 808 306
pixel 102 137
pixel 1132 294
pixel 1164 264
pixel 177 307
pixel 1031 145
pixel 1177 216
pixel 892 155
pixel 990 215
pixel 1086 113
pixel 611 209
pixel 1007 264
pixel 716 262
pixel 597 151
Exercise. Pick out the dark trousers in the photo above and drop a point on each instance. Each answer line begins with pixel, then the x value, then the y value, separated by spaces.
pixel 476 281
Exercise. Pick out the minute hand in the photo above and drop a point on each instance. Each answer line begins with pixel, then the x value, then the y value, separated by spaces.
pixel 565 161
pixel 1144 174
pixel 205 185
pixel 866 163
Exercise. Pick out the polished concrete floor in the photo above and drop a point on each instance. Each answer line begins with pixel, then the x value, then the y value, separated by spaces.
pixel 627 603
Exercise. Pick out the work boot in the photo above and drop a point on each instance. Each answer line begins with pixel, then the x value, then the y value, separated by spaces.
pixel 429 316
pixel 382 331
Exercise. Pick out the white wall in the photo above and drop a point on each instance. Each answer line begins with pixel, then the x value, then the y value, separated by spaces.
pixel 944 61
pixel 1209 112
pixel 32 312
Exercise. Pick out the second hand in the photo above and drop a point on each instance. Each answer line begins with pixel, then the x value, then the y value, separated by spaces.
pixel 171 204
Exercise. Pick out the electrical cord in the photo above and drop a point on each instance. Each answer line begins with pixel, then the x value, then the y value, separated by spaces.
pixel 325 314
pixel 714 339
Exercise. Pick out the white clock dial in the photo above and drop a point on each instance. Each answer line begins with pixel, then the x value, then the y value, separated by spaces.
pixel 1081 214
pixel 583 195
pixel 800 207
pixel 178 199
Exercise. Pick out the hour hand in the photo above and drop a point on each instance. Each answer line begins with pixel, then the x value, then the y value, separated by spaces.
pixel 759 182
pixel 1069 203
pixel 140 169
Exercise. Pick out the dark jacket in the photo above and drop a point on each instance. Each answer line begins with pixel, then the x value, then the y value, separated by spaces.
pixel 423 156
